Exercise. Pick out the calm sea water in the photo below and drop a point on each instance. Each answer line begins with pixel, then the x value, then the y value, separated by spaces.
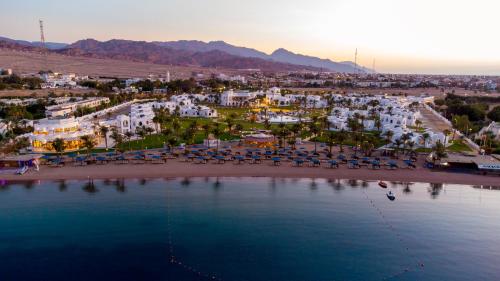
pixel 247 229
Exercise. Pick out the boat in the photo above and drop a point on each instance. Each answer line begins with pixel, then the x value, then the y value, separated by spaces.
pixel 382 184
pixel 391 196
pixel 22 170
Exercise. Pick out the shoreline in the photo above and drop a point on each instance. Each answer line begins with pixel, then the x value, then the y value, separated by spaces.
pixel 178 169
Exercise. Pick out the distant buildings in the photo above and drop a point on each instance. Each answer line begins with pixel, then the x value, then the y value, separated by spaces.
pixel 67 109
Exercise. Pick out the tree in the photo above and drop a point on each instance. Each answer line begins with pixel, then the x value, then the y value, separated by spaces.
pixel 446 133
pixel 141 132
pixel 378 124
pixel 367 147
pixel 330 141
pixel 217 132
pixel 341 138
pixel 128 137
pixel 88 143
pixel 388 136
pixel 103 130
pixel 418 123
pixel 59 146
pixel 425 137
pixel 22 143
pixel 117 138
pixel 315 131
pixel 439 151
pixel 494 114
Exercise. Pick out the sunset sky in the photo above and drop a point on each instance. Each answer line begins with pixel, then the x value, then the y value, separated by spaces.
pixel 426 36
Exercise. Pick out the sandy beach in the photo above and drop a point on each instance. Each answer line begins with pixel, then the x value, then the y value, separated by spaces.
pixel 178 168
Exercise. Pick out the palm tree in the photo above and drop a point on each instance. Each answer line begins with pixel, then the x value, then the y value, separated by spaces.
pixel 217 132
pixel 315 131
pixel 341 138
pixel 439 151
pixel 103 130
pixel 446 133
pixel 367 147
pixel 378 123
pixel 426 137
pixel 330 141
pixel 117 138
pixel 128 137
pixel 141 132
pixel 398 143
pixel 418 123
pixel 59 146
pixel 405 138
pixel 388 136
pixel 230 124
pixel 88 143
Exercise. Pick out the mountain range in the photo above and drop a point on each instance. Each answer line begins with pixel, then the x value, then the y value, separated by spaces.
pixel 215 54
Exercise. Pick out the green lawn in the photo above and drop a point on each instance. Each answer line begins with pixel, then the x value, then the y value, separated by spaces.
pixel 458 146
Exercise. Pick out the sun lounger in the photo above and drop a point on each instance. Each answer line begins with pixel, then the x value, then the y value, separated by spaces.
pixel 333 164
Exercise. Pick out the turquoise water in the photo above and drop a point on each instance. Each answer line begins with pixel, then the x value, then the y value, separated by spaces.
pixel 247 229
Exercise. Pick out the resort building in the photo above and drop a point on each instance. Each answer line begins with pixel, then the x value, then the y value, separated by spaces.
pixel 493 127
pixel 239 99
pixel 68 129
pixel 396 114
pixel 56 80
pixel 66 109
pixel 142 114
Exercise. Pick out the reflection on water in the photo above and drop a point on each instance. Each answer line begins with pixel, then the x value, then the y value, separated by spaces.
pixel 89 186
pixel 253 229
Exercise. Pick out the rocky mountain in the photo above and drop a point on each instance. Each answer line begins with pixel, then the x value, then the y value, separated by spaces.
pixel 280 55
pixel 200 46
pixel 155 53
pixel 189 53
pixel 49 45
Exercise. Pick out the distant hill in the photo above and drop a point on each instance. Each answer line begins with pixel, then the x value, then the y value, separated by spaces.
pixel 280 55
pixel 49 45
pixel 190 53
pixel 155 53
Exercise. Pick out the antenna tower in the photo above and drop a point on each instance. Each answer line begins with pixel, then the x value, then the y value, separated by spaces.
pixel 356 62
pixel 42 36
pixel 43 46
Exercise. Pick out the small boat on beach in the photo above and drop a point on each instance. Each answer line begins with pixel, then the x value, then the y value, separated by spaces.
pixel 22 170
pixel 391 196
pixel 382 184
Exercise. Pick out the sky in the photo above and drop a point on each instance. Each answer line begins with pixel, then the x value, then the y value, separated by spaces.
pixel 401 36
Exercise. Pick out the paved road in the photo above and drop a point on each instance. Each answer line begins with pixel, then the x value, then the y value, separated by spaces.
pixel 432 122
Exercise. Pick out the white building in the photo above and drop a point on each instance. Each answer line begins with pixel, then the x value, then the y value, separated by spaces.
pixel 66 109
pixel 238 99
pixel 69 129
pixel 493 127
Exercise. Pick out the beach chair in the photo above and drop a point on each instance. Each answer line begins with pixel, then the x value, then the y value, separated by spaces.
pixel 139 159
pixel 239 159
pixel 276 161
pixel 410 164
pixel 157 159
pixel 314 162
pixel 220 159
pixel 375 164
pixel 101 160
pixel 332 164
pixel 298 162
pixel 121 159
pixel 256 159
pixel 81 160
pixel 393 165
pixel 354 164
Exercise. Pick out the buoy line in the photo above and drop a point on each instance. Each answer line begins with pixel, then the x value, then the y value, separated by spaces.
pixel 175 260
pixel 418 264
